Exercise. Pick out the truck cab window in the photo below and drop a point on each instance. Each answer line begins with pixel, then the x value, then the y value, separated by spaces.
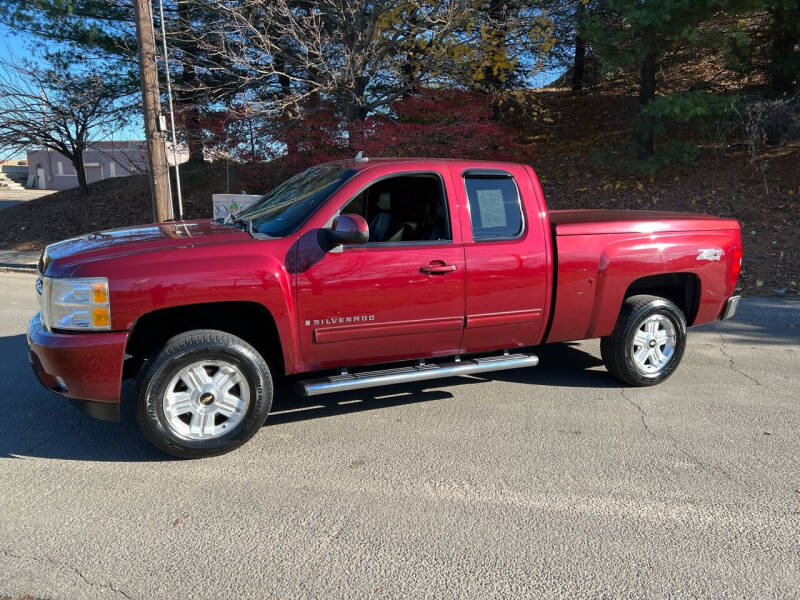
pixel 494 207
pixel 406 208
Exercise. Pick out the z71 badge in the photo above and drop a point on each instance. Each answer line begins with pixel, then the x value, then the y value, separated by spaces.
pixel 710 254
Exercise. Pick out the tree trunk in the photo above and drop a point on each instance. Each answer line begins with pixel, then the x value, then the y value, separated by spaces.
pixel 784 58
pixel 76 158
pixel 647 91
pixel 314 98
pixel 186 92
pixel 496 43
pixel 194 133
pixel 285 84
pixel 355 112
pixel 578 64
pixel 410 71
pixel 252 140
pixel 355 115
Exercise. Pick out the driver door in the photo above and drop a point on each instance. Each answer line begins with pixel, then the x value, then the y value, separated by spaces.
pixel 401 295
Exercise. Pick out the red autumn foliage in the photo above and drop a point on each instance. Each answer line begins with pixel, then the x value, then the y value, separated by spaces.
pixel 448 123
pixel 445 123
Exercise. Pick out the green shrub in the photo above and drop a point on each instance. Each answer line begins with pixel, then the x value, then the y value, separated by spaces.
pixel 622 158
pixel 697 107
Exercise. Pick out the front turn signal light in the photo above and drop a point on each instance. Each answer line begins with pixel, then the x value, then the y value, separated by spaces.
pixel 100 293
pixel 100 318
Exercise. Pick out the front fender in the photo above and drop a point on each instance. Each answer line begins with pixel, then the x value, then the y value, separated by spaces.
pixel 254 272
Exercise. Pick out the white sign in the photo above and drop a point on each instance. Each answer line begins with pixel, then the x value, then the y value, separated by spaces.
pixel 492 208
pixel 228 204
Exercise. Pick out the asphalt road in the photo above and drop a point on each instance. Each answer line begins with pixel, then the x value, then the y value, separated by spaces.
pixel 544 483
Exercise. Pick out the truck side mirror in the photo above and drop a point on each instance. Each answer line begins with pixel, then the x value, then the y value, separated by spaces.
pixel 347 229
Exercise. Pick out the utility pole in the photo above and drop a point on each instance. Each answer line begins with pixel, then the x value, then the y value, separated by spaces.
pixel 151 105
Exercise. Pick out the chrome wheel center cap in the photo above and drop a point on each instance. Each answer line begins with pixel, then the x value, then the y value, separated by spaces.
pixel 207 398
pixel 652 343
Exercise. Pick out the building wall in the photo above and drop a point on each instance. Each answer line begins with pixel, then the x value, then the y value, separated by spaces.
pixel 15 171
pixel 48 169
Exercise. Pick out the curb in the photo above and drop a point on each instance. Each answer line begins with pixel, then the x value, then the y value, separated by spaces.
pixel 17 268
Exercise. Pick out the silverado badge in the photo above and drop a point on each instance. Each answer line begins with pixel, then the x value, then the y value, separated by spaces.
pixel 340 320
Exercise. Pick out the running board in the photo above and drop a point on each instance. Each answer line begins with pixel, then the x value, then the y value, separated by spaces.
pixel 420 372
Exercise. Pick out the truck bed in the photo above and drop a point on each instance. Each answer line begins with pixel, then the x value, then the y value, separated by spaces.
pixel 601 254
pixel 583 222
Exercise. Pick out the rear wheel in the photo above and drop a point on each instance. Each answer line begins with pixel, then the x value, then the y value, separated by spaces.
pixel 647 343
pixel 205 393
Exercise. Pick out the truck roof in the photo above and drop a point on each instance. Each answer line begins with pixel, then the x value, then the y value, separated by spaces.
pixel 366 162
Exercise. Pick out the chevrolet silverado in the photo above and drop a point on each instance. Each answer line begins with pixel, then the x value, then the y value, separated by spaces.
pixel 365 273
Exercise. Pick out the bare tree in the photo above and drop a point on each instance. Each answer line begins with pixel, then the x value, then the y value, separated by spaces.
pixel 287 53
pixel 56 107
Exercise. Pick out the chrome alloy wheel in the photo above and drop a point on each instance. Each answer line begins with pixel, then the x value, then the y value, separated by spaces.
pixel 653 344
pixel 206 400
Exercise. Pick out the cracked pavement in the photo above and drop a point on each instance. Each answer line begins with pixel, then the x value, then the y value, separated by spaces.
pixel 547 482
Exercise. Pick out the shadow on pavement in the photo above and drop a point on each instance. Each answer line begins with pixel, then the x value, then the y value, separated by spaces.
pixel 36 422
pixel 774 321
pixel 559 365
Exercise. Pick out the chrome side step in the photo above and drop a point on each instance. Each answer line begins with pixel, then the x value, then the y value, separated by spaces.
pixel 421 372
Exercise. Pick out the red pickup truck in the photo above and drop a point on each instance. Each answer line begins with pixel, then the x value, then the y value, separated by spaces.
pixel 441 267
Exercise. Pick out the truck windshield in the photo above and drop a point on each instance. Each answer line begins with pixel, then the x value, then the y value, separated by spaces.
pixel 284 209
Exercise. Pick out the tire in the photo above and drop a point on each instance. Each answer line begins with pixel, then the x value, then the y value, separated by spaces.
pixel 659 327
pixel 205 393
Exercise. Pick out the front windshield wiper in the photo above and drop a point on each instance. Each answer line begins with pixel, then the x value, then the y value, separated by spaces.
pixel 234 220
pixel 246 224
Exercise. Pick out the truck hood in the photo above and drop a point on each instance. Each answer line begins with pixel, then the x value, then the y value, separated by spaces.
pixel 128 240
pixel 584 222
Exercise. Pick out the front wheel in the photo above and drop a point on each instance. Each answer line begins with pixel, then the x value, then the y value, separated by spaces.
pixel 205 393
pixel 647 343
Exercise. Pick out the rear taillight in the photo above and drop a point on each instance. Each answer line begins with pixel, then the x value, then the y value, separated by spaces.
pixel 734 267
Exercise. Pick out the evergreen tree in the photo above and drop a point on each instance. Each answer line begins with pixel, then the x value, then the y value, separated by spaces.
pixel 643 33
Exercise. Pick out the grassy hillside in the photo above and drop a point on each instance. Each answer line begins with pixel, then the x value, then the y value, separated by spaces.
pixel 111 203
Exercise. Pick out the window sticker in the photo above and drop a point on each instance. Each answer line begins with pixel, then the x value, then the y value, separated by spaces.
pixel 492 208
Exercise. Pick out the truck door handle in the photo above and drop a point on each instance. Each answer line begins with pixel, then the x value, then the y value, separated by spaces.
pixel 437 267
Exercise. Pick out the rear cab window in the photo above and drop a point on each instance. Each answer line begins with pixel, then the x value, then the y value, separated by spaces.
pixel 494 205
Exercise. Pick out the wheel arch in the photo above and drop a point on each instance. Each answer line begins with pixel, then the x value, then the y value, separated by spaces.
pixel 251 321
pixel 682 289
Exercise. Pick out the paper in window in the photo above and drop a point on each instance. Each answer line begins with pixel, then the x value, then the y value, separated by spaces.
pixel 492 208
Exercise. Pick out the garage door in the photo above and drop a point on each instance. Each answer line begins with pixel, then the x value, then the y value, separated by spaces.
pixel 93 173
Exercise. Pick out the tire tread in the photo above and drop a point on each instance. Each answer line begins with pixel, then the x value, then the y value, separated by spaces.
pixel 197 339
pixel 613 348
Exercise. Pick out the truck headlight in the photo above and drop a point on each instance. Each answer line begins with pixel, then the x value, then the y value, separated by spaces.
pixel 77 304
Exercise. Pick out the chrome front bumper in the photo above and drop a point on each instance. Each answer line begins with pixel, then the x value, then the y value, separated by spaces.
pixel 730 307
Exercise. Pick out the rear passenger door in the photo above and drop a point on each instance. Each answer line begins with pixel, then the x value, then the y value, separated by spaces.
pixel 506 258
